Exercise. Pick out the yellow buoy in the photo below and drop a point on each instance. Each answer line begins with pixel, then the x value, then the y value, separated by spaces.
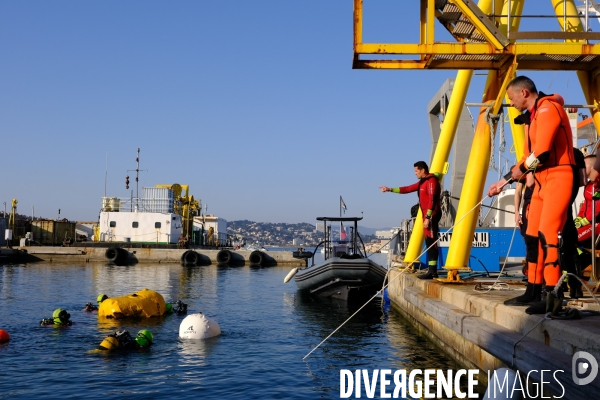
pixel 143 304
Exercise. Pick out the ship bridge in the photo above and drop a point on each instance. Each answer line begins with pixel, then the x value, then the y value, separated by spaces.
pixel 485 36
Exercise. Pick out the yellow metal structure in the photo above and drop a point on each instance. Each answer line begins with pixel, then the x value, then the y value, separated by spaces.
pixel 484 40
pixel 96 229
pixel 12 215
pixel 480 45
pixel 12 220
pixel 442 152
pixel 185 205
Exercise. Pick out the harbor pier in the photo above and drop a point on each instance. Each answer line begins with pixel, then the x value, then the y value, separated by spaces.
pixel 83 254
pixel 479 331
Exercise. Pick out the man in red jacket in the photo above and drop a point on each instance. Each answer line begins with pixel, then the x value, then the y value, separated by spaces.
pixel 428 190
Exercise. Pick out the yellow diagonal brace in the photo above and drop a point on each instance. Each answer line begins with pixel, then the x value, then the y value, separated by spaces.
pixel 483 24
pixel 510 72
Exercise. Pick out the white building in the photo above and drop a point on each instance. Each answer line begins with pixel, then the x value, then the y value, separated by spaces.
pixel 219 226
pixel 140 227
pixel 386 234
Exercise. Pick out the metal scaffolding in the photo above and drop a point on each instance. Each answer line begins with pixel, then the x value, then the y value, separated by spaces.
pixel 487 37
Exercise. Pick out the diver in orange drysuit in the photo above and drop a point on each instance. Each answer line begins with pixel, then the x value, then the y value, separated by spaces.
pixel 549 156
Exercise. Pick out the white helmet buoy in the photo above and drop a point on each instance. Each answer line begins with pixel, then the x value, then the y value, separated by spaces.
pixel 198 326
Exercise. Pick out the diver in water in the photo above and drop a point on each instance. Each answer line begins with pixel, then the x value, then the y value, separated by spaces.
pixel 60 317
pixel 92 307
pixel 122 340
pixel 179 309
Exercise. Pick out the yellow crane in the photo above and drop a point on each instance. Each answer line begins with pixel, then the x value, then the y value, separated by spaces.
pixel 11 219
pixel 487 36
pixel 185 205
pixel 13 215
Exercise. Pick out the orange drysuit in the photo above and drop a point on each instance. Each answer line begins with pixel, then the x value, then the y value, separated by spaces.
pixel 550 141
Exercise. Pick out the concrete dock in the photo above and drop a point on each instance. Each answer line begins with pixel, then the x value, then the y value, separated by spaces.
pixel 140 255
pixel 479 331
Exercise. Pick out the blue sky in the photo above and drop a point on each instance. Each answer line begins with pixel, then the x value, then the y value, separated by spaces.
pixel 254 104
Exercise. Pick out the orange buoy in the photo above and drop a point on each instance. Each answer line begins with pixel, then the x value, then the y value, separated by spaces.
pixel 4 336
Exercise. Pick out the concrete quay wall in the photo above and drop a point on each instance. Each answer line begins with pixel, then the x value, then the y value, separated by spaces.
pixel 479 331
pixel 137 255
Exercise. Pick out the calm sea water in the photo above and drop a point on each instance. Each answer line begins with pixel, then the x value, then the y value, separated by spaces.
pixel 267 328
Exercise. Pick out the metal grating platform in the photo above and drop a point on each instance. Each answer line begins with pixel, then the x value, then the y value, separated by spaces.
pixel 457 24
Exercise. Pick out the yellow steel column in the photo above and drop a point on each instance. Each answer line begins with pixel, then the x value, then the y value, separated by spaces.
pixel 451 119
pixel 475 176
pixel 430 21
pixel 590 83
pixel 444 145
pixel 423 22
pixel 573 24
pixel 442 151
pixel 518 131
pixel 358 26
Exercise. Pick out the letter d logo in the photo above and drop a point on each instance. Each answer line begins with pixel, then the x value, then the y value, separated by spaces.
pixel 582 367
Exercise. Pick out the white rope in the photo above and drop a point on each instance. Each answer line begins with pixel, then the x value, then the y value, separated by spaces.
pixel 445 207
pixel 546 317
pixel 497 285
pixel 481 288
pixel 492 120
pixel 585 286
pixel 502 137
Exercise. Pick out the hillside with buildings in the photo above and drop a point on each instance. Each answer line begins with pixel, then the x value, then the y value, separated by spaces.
pixel 282 234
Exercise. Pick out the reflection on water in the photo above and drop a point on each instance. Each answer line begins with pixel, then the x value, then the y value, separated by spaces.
pixel 194 352
pixel 267 328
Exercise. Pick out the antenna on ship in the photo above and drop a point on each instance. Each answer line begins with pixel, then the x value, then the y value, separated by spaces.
pixel 105 173
pixel 137 179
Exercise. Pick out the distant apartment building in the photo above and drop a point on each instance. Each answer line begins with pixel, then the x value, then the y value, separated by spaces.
pixel 386 234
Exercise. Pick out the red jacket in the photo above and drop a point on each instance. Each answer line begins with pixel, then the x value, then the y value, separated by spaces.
pixel 586 206
pixel 428 189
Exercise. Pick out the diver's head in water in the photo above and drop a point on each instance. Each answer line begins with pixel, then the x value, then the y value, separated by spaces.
pixel 144 338
pixel 61 316
pixel 101 298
